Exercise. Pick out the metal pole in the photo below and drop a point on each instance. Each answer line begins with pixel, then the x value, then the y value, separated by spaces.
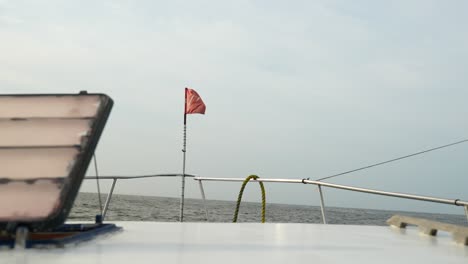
pixel 184 150
pixel 322 205
pixel 466 211
pixel 457 202
pixel 181 216
pixel 108 199
pixel 97 181
pixel 204 198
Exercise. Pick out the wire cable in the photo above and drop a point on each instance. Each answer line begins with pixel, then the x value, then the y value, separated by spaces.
pixel 395 159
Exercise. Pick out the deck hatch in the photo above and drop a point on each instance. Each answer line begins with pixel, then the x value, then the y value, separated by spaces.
pixel 46 144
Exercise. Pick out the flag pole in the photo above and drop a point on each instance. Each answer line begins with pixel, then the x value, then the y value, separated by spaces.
pixel 184 149
pixel 195 105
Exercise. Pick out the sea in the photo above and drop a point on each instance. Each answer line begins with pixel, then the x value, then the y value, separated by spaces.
pixel 166 209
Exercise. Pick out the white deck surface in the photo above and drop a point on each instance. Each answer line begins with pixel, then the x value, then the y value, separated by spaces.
pixel 150 242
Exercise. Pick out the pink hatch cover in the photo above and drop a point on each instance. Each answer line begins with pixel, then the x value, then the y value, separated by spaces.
pixel 42 139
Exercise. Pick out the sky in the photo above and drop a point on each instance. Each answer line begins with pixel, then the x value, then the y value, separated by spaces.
pixel 293 89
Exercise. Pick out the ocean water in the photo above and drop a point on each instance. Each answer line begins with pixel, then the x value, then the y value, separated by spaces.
pixel 165 209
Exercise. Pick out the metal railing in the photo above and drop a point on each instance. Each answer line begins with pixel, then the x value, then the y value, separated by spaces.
pixel 115 178
pixel 319 184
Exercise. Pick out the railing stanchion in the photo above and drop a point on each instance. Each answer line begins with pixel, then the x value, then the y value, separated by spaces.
pixel 108 199
pixel 202 191
pixel 466 212
pixel 322 205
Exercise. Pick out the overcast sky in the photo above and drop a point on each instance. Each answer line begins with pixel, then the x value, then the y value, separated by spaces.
pixel 294 89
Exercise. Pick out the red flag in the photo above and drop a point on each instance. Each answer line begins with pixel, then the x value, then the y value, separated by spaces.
pixel 193 102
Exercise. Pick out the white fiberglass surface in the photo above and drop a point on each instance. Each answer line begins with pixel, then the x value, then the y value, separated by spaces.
pixel 36 163
pixel 48 106
pixel 214 243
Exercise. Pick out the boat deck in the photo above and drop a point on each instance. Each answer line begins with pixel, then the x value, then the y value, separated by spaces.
pixel 151 242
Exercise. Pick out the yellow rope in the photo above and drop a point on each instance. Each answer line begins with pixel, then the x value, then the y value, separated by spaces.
pixel 239 198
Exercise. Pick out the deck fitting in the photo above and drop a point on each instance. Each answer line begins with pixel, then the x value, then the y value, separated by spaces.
pixel 429 227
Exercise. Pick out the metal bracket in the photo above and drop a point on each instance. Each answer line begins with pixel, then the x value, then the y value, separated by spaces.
pixel 21 237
